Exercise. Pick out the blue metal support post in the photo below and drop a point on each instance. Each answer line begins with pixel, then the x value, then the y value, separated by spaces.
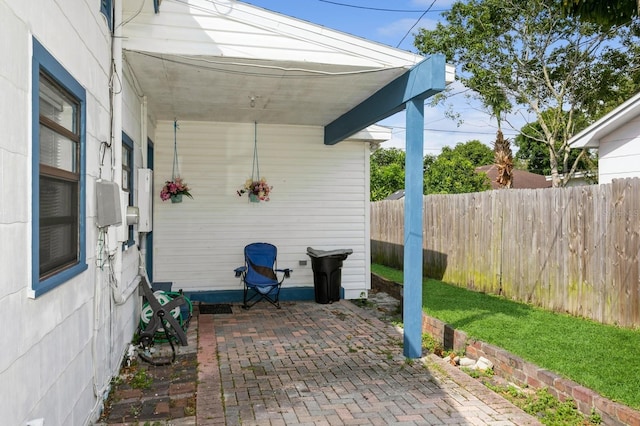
pixel 412 315
pixel 408 91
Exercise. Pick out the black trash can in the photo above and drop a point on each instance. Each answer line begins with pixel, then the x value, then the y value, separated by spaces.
pixel 327 273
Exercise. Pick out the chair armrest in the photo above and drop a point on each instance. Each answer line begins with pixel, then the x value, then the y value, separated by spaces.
pixel 240 270
pixel 287 272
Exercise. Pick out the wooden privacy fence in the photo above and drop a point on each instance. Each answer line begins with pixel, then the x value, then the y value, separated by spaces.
pixel 570 250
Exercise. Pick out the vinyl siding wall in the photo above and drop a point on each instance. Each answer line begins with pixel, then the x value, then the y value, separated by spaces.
pixel 60 349
pixel 320 199
pixel 620 153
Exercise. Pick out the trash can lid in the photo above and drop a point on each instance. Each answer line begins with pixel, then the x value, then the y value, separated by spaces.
pixel 326 253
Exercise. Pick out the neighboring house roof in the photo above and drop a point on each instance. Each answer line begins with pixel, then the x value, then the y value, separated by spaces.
pixel 521 179
pixel 578 178
pixel 200 60
pixel 399 194
pixel 591 136
pixel 375 134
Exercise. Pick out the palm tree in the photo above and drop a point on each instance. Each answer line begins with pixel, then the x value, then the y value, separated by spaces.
pixel 503 158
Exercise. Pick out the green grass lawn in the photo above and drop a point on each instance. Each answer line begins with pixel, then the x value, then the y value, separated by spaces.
pixel 601 357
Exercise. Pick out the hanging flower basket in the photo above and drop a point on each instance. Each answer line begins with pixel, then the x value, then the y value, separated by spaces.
pixel 257 190
pixel 174 190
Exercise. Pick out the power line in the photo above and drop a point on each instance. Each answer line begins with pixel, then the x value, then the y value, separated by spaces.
pixel 468 132
pixel 380 9
pixel 465 132
pixel 416 23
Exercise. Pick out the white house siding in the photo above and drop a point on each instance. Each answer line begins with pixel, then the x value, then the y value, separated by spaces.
pixel 61 348
pixel 320 199
pixel 619 153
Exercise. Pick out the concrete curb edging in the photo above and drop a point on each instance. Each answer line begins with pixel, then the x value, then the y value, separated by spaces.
pixel 515 369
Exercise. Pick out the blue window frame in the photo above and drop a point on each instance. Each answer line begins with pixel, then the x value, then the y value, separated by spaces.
pixel 58 105
pixel 127 179
pixel 106 8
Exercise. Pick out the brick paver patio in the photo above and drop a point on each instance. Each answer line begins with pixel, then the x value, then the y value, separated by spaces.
pixel 337 364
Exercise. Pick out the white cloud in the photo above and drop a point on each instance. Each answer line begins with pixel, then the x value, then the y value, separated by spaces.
pixel 400 27
pixel 395 28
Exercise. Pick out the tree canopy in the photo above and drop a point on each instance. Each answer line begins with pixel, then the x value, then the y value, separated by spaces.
pixel 530 56
pixel 454 172
pixel 535 154
pixel 603 12
pixel 451 172
pixel 387 172
pixel 475 151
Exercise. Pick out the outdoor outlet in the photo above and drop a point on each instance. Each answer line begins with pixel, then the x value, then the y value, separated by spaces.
pixel 302 262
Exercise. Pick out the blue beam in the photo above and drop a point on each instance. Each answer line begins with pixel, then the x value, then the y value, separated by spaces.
pixel 425 79
pixel 412 315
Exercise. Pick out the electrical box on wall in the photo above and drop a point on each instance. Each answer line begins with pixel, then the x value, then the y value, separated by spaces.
pixel 109 212
pixel 145 200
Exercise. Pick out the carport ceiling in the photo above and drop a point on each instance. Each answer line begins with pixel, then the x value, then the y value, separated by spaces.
pixel 223 89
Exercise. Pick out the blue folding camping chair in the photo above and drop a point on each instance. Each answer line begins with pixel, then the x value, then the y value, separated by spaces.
pixel 260 274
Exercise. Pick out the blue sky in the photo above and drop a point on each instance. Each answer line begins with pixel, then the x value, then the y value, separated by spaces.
pixel 395 29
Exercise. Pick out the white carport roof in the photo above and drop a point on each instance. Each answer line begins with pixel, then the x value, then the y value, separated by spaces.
pixel 591 136
pixel 224 60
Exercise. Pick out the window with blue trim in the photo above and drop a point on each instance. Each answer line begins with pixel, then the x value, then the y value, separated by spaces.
pixel 58 105
pixel 127 178
pixel 106 8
